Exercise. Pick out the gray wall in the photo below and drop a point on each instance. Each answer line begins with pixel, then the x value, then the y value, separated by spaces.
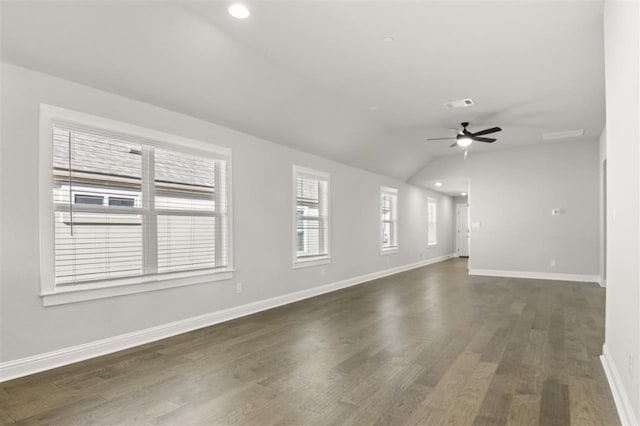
pixel 262 244
pixel 460 200
pixel 512 193
pixel 621 27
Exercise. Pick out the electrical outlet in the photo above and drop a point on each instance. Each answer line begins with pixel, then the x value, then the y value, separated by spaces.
pixel 420 254
pixel 630 365
pixel 238 287
pixel 388 259
pixel 553 263
pixel 322 272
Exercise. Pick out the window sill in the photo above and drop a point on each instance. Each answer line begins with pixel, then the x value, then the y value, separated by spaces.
pixel 314 261
pixel 390 250
pixel 432 245
pixel 105 289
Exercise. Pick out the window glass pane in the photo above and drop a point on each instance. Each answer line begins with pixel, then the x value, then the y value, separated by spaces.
pixel 98 165
pixel 389 217
pixel 88 199
pixel 187 242
pixel 101 246
pixel 312 220
pixel 386 234
pixel 121 201
pixel 432 233
pixel 185 182
pixel 386 207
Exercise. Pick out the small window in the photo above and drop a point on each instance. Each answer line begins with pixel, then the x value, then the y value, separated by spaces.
pixel 121 201
pixel 311 233
pixel 97 200
pixel 389 219
pixel 432 222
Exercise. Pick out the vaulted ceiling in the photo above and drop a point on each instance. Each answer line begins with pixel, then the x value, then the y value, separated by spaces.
pixel 318 75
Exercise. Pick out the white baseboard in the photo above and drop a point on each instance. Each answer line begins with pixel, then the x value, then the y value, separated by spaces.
pixel 620 396
pixel 46 361
pixel 535 275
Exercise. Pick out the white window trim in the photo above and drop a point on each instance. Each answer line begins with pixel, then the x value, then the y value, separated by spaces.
pixel 315 260
pixel 52 295
pixel 396 248
pixel 434 201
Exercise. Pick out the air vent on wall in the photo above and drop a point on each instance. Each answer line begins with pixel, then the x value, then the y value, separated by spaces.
pixel 563 135
pixel 459 104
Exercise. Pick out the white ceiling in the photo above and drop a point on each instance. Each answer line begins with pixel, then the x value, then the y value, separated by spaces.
pixel 306 73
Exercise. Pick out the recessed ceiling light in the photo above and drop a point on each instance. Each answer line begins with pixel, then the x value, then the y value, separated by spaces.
pixel 464 142
pixel 388 39
pixel 239 11
pixel 438 184
pixel 463 193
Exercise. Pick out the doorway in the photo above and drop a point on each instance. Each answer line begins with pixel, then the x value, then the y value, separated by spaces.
pixel 462 229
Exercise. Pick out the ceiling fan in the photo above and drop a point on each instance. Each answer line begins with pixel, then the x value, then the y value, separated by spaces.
pixel 464 138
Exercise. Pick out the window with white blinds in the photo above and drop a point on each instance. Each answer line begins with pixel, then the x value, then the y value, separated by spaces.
pixel 128 207
pixel 389 219
pixel 432 222
pixel 311 213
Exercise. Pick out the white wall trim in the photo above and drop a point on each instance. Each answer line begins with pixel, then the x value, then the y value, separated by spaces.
pixel 46 361
pixel 535 275
pixel 620 397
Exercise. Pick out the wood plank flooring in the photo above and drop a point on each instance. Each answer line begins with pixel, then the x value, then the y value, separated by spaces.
pixel 431 346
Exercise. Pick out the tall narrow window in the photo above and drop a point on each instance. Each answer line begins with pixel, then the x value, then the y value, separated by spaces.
pixel 131 210
pixel 432 222
pixel 311 224
pixel 389 219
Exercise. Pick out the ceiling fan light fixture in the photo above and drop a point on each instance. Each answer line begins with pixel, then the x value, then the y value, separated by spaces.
pixel 464 142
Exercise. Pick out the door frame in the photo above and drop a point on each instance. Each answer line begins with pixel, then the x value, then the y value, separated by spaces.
pixel 468 229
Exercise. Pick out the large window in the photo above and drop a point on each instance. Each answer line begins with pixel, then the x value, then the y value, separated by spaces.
pixel 389 219
pixel 128 210
pixel 311 224
pixel 432 222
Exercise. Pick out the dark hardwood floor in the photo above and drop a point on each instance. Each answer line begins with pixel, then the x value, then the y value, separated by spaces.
pixel 431 346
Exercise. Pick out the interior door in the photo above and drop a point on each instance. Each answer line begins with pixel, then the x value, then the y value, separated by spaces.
pixel 462 230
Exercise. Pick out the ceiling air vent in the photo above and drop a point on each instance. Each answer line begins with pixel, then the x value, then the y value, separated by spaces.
pixel 459 104
pixel 562 135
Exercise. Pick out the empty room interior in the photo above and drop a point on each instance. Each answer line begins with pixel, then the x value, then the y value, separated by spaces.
pixel 320 212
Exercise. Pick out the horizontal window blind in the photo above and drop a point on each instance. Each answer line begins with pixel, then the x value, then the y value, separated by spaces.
pixel 312 216
pixel 125 208
pixel 102 246
pixel 186 242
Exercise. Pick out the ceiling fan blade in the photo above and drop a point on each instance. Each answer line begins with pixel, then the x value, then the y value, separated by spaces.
pixel 488 140
pixel 487 131
pixel 453 144
pixel 439 139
